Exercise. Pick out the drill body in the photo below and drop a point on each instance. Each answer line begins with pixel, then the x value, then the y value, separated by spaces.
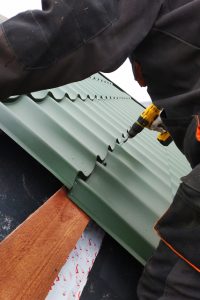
pixel 145 120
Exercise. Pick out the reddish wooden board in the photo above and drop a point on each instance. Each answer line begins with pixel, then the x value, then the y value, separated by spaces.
pixel 32 255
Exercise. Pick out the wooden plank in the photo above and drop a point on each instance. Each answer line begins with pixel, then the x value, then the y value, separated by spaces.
pixel 32 255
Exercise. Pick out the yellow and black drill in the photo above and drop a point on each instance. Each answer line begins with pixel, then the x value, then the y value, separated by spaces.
pixel 148 116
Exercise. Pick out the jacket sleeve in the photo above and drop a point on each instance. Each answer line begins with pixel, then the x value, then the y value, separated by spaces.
pixel 69 40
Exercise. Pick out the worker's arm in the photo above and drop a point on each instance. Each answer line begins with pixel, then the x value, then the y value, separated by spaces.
pixel 69 40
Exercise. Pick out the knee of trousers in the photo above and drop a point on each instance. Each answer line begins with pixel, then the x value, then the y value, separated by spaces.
pixel 179 227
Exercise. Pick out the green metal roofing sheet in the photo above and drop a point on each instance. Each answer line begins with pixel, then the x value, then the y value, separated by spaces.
pixel 75 131
pixel 131 190
pixel 68 136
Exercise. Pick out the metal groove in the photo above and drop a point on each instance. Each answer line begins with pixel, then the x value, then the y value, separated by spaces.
pixel 71 129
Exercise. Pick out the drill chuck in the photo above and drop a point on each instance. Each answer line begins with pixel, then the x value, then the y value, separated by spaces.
pixel 138 126
pixel 135 129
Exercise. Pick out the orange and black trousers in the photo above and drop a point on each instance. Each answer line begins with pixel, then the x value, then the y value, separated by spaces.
pixel 173 272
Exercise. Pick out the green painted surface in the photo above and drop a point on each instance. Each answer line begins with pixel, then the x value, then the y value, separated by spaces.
pixel 131 191
pixel 75 131
pixel 67 135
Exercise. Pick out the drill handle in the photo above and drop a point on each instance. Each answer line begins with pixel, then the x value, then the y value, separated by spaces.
pixel 165 138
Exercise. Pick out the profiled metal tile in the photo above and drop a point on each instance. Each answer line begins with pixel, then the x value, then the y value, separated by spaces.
pixel 93 87
pixel 75 131
pixel 133 187
pixel 67 137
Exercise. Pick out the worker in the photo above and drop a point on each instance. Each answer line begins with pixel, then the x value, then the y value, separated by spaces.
pixel 69 40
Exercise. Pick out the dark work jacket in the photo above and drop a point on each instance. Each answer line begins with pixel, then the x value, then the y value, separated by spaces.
pixel 170 58
pixel 70 40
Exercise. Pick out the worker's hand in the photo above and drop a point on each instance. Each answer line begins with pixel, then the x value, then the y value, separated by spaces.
pixel 158 125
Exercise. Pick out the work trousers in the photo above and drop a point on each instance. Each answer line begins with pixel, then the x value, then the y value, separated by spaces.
pixel 168 277
pixel 173 272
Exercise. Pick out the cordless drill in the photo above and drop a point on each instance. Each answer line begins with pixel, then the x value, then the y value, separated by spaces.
pixel 146 119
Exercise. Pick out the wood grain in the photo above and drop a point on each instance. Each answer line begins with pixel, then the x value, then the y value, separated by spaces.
pixel 32 255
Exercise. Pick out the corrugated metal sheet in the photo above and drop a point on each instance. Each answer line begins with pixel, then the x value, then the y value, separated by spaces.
pixel 93 87
pixel 74 132
pixel 68 135
pixel 131 190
